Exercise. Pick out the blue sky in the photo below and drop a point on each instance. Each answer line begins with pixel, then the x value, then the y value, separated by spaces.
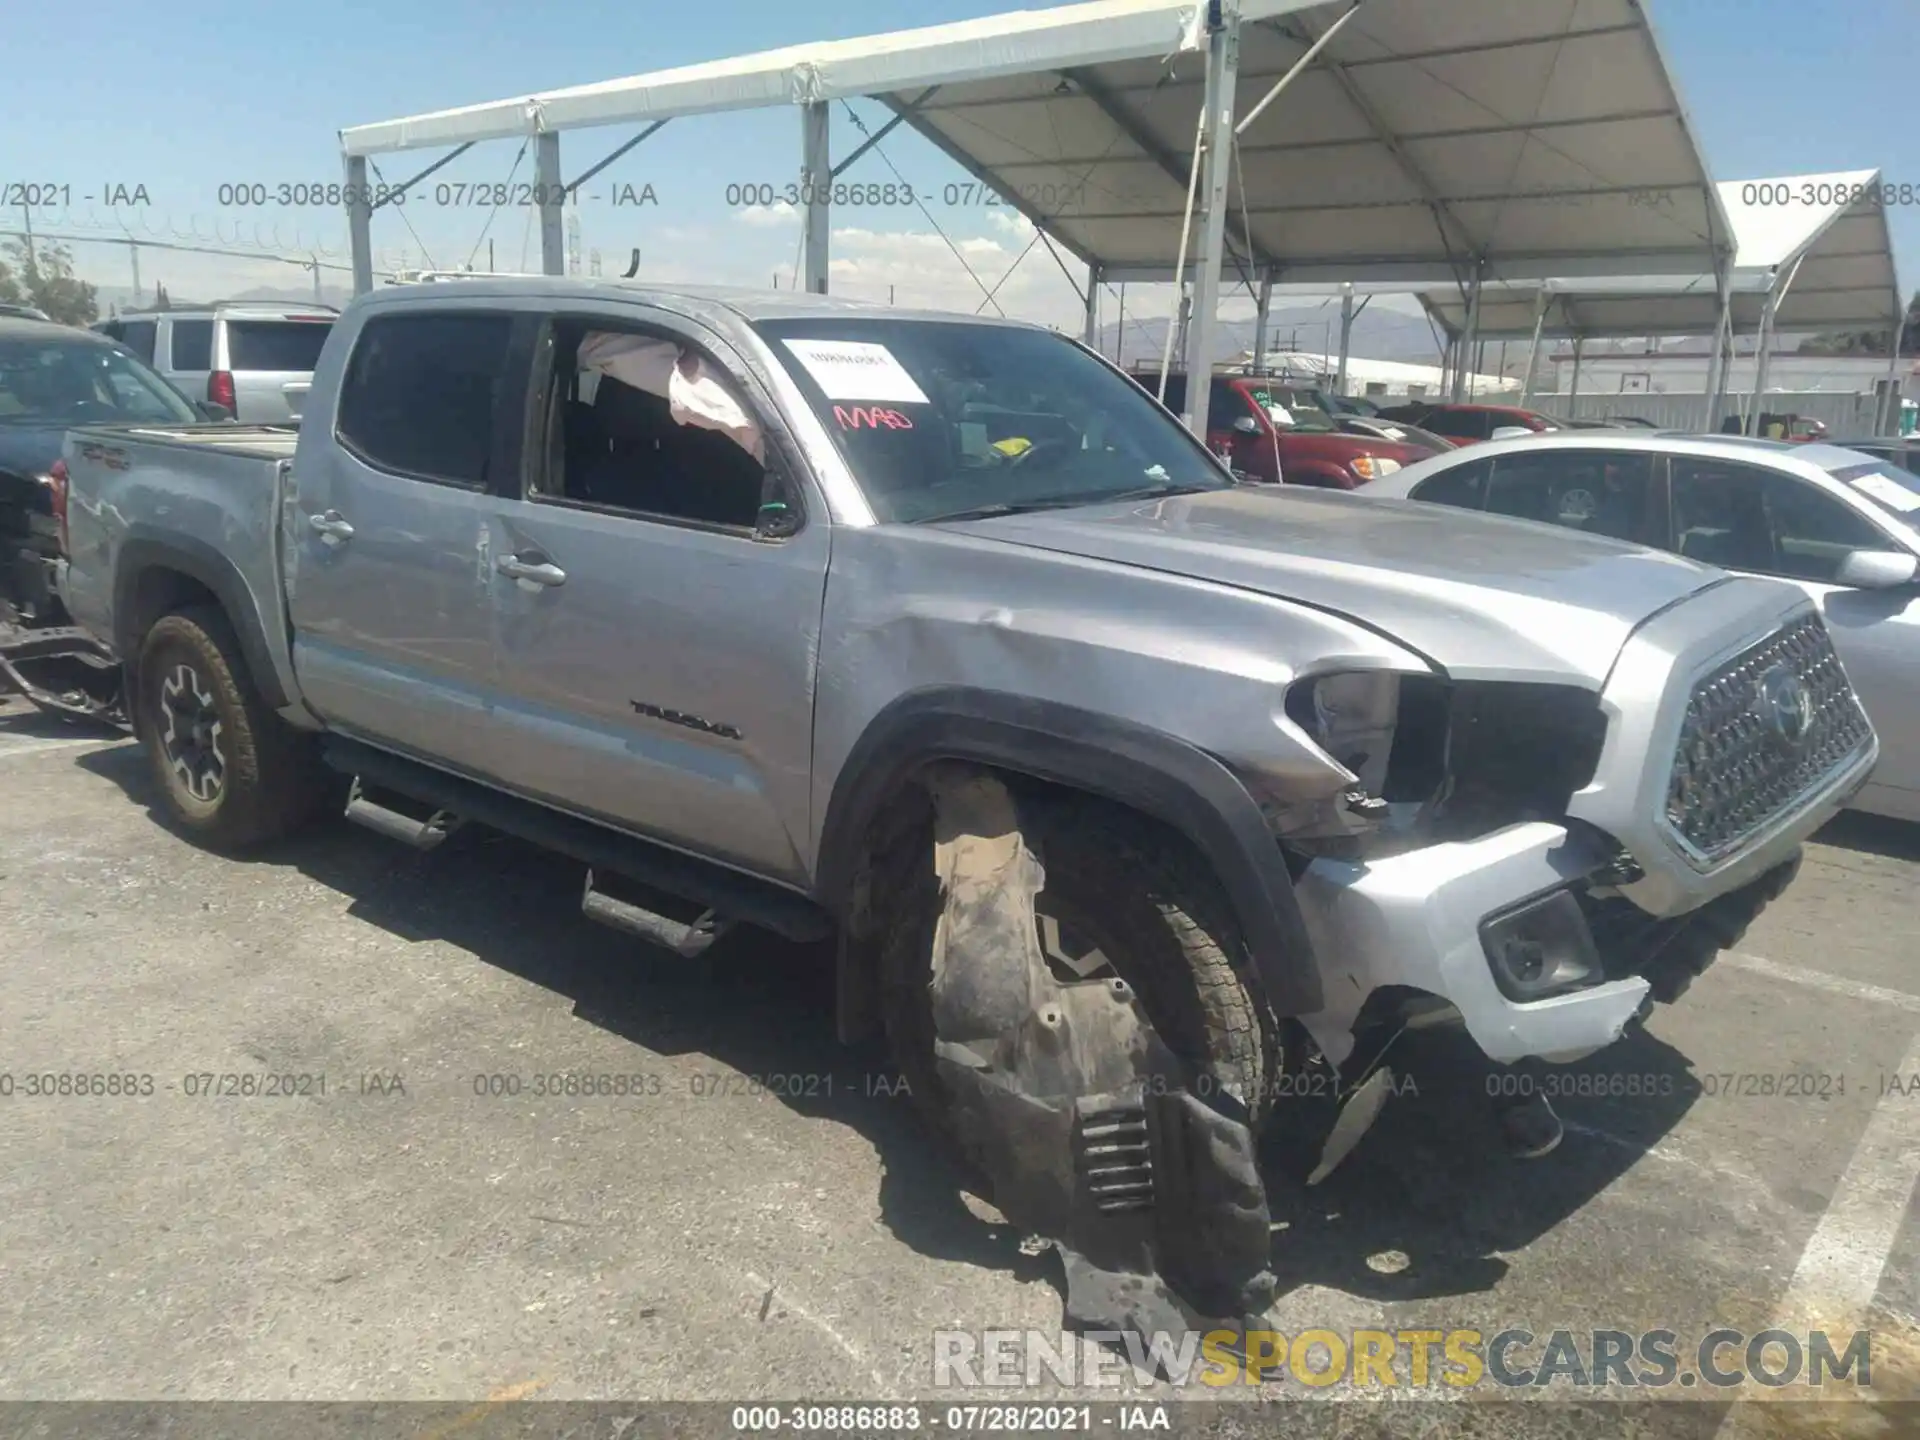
pixel 182 99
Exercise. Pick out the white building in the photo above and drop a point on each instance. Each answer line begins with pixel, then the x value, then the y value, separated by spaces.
pixel 1391 380
pixel 1682 370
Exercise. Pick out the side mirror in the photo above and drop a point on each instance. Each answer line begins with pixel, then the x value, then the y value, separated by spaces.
pixel 1877 569
pixel 213 410
pixel 1246 425
pixel 1510 432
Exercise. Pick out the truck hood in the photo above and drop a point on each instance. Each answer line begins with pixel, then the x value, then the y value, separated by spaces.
pixel 1480 596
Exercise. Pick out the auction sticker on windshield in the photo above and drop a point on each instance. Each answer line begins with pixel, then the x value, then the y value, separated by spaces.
pixel 857 370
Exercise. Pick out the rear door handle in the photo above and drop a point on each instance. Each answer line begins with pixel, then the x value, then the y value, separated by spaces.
pixel 332 527
pixel 531 574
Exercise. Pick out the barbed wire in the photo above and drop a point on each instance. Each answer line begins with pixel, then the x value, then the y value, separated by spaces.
pixel 262 236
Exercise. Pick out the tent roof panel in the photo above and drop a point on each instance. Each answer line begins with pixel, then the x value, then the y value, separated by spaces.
pixel 1823 237
pixel 1420 110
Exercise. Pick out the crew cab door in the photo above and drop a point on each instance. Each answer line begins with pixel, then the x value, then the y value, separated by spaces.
pixel 391 584
pixel 658 618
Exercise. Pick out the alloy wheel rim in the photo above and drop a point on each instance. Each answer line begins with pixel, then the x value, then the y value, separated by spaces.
pixel 190 734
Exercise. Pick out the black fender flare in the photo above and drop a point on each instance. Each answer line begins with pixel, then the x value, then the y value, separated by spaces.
pixel 1148 770
pixel 144 551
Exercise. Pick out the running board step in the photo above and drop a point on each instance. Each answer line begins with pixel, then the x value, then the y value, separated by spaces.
pixel 686 939
pixel 397 825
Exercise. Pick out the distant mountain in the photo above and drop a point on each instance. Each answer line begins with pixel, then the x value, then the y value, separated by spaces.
pixel 1377 335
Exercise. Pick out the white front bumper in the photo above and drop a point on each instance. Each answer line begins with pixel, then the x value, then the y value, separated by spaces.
pixel 1414 920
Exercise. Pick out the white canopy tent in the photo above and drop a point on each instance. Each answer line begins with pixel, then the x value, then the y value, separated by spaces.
pixel 1812 252
pixel 1412 141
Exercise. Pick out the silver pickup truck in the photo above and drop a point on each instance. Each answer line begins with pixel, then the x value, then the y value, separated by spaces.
pixel 844 620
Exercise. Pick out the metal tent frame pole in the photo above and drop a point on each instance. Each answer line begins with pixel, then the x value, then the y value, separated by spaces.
pixel 1573 391
pixel 550 190
pixel 1888 423
pixel 1346 337
pixel 816 189
pixel 1750 423
pixel 1216 130
pixel 359 224
pixel 1716 367
pixel 1540 307
pixel 1262 307
pixel 1468 337
pixel 1763 356
pixel 1091 333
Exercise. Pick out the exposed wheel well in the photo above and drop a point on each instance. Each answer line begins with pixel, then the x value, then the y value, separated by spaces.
pixel 899 838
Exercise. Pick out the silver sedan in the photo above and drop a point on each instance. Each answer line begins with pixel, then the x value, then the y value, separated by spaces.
pixel 1843 526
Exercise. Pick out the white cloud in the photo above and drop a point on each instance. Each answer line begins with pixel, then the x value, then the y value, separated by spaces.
pixel 918 268
pixel 767 216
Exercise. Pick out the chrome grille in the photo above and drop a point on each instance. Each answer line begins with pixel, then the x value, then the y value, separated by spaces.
pixel 1761 732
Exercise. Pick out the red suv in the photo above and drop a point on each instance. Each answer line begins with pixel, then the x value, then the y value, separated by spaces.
pixel 1273 432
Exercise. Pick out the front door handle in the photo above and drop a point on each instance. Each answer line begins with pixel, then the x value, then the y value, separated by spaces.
pixel 332 527
pixel 531 574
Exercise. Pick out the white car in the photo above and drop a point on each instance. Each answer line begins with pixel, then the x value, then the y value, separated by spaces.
pixel 1843 526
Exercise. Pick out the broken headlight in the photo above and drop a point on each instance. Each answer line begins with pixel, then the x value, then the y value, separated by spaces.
pixel 1433 759
pixel 1351 715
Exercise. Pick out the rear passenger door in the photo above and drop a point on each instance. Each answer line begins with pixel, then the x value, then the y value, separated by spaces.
pixel 657 640
pixel 392 584
pixel 137 336
pixel 1601 492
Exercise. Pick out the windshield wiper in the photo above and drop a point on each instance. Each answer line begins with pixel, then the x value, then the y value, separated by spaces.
pixel 1154 492
pixel 1068 502
pixel 1007 507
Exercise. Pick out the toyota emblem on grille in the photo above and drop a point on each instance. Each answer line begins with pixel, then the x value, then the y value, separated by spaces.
pixel 1785 704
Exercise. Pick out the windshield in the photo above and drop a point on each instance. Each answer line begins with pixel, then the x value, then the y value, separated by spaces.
pixel 76 382
pixel 1888 486
pixel 1302 405
pixel 938 420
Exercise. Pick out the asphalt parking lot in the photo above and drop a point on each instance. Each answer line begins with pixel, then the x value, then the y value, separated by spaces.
pixel 408 1234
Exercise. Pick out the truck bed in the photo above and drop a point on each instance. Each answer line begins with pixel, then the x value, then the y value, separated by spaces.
pixel 262 442
pixel 205 500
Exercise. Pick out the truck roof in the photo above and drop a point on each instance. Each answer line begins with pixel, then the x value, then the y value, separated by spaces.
pixel 747 303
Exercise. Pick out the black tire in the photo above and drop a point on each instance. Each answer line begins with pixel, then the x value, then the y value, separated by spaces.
pixel 1159 917
pixel 234 774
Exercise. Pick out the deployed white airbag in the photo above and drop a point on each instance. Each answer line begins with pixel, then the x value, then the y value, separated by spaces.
pixel 694 394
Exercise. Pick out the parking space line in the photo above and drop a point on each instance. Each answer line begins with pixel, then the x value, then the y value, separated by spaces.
pixel 1834 1285
pixel 820 1323
pixel 1821 980
pixel 1841 1266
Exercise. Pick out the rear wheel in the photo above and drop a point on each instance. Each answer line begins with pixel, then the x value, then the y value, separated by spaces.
pixel 1122 897
pixel 231 773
